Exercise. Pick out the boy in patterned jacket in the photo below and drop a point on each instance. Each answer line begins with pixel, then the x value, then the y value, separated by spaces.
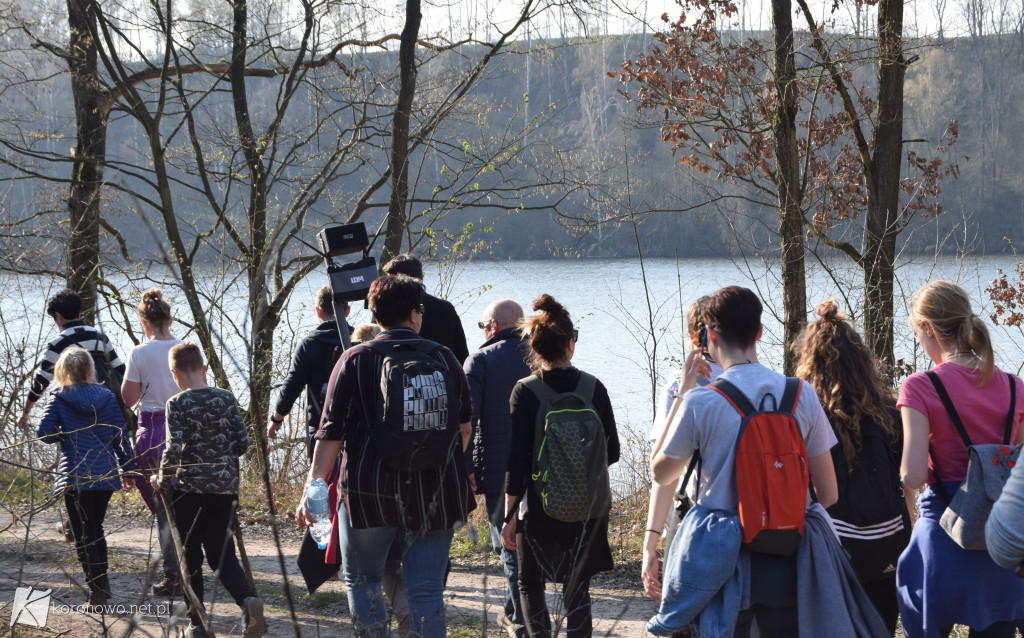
pixel 205 437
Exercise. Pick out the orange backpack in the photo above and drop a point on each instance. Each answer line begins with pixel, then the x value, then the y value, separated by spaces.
pixel 772 477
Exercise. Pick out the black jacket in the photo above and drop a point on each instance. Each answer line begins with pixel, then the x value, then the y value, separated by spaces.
pixel 442 324
pixel 312 364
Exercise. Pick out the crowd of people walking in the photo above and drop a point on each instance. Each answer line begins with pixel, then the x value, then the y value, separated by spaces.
pixel 779 506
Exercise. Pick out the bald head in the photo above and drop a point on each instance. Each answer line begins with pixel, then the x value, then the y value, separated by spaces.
pixel 505 313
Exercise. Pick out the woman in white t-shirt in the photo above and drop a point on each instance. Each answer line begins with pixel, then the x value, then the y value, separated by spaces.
pixel 148 383
pixel 708 423
pixel 662 518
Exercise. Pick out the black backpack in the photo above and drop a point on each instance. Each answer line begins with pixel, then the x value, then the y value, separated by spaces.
pixel 417 416
pixel 871 515
pixel 570 464
pixel 105 374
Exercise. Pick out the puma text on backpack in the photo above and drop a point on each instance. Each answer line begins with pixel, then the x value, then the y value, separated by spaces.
pixel 871 515
pixel 417 422
pixel 772 476
pixel 570 465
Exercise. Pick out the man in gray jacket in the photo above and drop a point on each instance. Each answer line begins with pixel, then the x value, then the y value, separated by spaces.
pixel 493 371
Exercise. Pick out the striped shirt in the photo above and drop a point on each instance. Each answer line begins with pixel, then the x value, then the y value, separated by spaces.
pixel 378 496
pixel 74 333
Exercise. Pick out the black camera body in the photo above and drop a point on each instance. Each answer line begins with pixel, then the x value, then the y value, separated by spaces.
pixel 351 282
pixel 342 240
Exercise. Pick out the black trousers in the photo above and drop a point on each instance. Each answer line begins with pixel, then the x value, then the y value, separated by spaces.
pixel 86 511
pixel 772 598
pixel 206 525
pixel 532 578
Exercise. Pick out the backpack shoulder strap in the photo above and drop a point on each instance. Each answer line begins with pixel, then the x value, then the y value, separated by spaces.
pixel 791 395
pixel 948 404
pixel 733 395
pixel 586 386
pixel 541 390
pixel 1013 410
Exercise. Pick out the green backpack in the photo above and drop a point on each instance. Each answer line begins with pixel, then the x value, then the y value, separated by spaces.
pixel 570 469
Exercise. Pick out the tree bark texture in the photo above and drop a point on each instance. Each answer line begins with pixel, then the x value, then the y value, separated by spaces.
pixel 794 287
pixel 262 332
pixel 883 214
pixel 397 214
pixel 90 152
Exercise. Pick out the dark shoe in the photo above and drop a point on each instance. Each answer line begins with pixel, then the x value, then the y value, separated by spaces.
pixel 252 617
pixel 168 586
pixel 97 601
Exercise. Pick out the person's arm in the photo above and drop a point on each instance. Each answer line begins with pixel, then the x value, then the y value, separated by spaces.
pixel 604 405
pixel 325 453
pixel 131 392
pixel 1004 529
pixel 508 530
pixel 171 460
pixel 459 346
pixel 240 433
pixel 665 470
pixel 48 429
pixel 476 378
pixel 914 468
pixel 113 416
pixel 291 389
pixel 40 381
pixel 693 366
pixel 523 406
pixel 657 512
pixel 823 478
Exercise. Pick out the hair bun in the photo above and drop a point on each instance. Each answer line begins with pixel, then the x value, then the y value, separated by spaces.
pixel 153 295
pixel 828 310
pixel 555 311
pixel 544 303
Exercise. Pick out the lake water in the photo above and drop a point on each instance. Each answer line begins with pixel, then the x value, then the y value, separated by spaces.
pixel 611 306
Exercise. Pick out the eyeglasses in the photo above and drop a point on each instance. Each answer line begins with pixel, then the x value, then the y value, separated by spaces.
pixel 421 308
pixel 575 335
pixel 483 324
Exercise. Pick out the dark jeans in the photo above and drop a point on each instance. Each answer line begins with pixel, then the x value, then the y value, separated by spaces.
pixel 86 511
pixel 495 517
pixel 206 524
pixel 772 597
pixel 575 596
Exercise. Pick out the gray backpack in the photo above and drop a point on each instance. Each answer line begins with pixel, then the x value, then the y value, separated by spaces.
pixel 570 465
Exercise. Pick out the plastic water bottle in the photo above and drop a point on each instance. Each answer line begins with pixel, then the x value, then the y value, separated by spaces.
pixel 318 508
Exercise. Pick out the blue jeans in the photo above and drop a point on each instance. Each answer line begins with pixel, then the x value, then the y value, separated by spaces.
pixel 496 517
pixel 424 557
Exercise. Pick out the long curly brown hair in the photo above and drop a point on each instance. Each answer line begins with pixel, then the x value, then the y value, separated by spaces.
pixel 837 364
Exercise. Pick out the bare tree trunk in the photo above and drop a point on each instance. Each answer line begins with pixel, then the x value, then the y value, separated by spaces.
pixel 400 132
pixel 262 333
pixel 884 189
pixel 794 287
pixel 90 152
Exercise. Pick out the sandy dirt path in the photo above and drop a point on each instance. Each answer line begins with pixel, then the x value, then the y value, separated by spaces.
pixel 473 597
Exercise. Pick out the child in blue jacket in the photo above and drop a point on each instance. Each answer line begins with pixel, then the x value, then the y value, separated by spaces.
pixel 95 449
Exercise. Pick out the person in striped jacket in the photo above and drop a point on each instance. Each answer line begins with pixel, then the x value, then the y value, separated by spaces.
pixel 66 311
